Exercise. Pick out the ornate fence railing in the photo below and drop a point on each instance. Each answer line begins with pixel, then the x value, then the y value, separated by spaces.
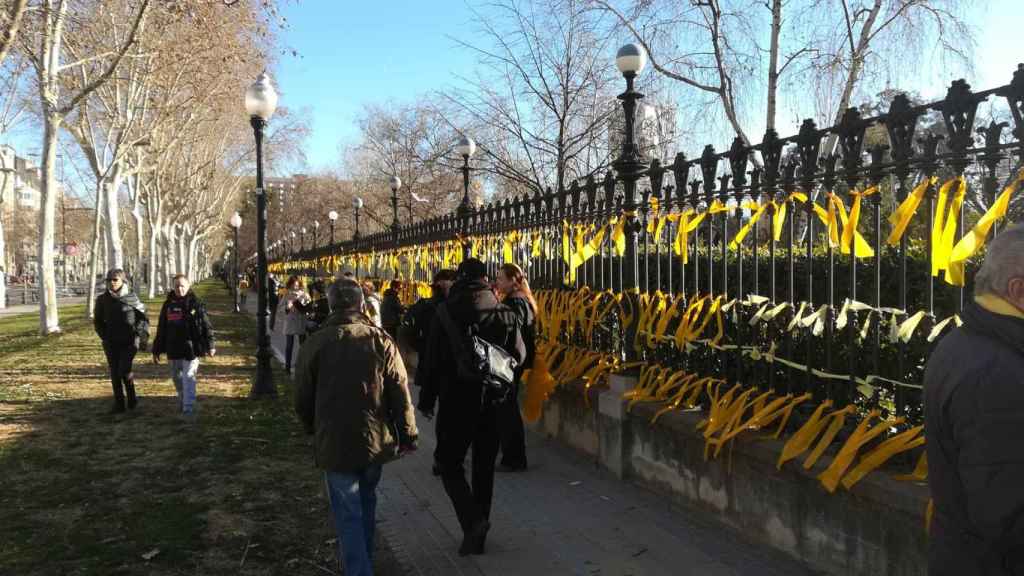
pixel 812 276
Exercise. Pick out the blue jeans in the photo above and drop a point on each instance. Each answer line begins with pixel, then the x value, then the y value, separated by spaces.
pixel 183 372
pixel 353 499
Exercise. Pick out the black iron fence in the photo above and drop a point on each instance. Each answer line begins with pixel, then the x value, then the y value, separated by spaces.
pixel 779 266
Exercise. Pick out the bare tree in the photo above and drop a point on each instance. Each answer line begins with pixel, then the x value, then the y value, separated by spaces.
pixel 541 92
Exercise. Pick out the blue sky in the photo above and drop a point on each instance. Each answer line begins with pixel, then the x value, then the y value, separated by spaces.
pixel 354 53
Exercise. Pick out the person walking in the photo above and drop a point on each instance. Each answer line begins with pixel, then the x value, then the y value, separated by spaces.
pixel 974 412
pixel 294 303
pixel 185 334
pixel 243 290
pixel 371 303
pixel 351 392
pixel 273 298
pixel 392 309
pixel 514 290
pixel 120 321
pixel 467 417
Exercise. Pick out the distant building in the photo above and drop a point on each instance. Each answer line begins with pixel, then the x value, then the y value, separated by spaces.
pixel 20 201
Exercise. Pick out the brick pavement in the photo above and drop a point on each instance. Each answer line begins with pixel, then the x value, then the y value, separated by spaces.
pixel 563 516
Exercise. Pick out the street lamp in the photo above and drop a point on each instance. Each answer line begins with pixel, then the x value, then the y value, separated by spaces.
pixel 236 222
pixel 302 239
pixel 630 164
pixel 316 227
pixel 357 203
pixel 260 102
pixel 294 236
pixel 395 187
pixel 466 147
pixel 332 216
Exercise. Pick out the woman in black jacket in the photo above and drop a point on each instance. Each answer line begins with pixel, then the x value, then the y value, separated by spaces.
pixel 120 322
pixel 515 292
pixel 185 334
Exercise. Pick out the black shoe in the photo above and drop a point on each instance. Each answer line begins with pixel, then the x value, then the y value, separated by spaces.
pixel 473 541
pixel 118 406
pixel 132 400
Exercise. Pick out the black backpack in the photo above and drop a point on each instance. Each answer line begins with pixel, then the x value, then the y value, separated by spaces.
pixel 477 361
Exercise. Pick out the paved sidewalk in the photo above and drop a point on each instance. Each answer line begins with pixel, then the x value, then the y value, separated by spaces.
pixel 563 516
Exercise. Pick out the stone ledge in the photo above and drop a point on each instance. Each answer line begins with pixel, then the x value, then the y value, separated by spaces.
pixel 875 528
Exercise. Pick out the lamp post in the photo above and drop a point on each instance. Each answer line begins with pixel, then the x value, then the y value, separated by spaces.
pixel 291 250
pixel 630 164
pixel 316 228
pixel 302 239
pixel 260 102
pixel 466 147
pixel 396 185
pixel 332 216
pixel 357 204
pixel 236 222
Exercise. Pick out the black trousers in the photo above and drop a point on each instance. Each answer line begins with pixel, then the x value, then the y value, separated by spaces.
pixel 461 424
pixel 119 360
pixel 512 432
pixel 289 349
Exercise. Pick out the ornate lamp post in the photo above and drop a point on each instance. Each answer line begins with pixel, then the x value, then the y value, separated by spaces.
pixel 630 164
pixel 332 216
pixel 291 251
pixel 236 222
pixel 316 227
pixel 358 205
pixel 260 102
pixel 466 147
pixel 396 184
pixel 302 239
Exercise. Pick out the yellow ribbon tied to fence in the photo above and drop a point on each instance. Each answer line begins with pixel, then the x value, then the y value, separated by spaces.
pixel 947 214
pixel 975 239
pixel 759 210
pixel 901 217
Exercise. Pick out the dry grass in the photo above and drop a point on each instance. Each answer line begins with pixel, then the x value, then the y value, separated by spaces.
pixel 82 492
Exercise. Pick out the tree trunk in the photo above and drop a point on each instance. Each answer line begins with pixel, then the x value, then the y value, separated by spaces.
pixel 49 318
pixel 115 254
pixel 94 253
pixel 773 64
pixel 154 228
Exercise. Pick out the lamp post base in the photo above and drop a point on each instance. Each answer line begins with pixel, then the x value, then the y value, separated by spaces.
pixel 263 383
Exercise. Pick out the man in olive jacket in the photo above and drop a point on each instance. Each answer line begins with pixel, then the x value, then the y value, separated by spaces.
pixel 974 415
pixel 352 393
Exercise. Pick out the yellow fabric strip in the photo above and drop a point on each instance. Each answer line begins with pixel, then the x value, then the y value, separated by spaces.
pixel 974 240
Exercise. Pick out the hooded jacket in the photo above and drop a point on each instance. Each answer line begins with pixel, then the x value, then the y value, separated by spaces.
pixel 184 331
pixel 974 417
pixel 470 302
pixel 351 392
pixel 121 318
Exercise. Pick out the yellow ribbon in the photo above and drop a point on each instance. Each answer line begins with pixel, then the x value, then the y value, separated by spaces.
pixel 944 231
pixel 975 239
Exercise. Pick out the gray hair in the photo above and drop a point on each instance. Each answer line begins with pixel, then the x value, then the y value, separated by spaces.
pixel 345 294
pixel 1003 262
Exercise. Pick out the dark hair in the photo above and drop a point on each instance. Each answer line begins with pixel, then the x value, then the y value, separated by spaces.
pixel 292 281
pixel 178 276
pixel 445 275
pixel 472 269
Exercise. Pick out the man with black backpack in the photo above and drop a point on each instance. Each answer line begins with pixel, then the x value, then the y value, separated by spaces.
pixel 473 349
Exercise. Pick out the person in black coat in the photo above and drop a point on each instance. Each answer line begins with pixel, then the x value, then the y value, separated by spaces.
pixel 974 415
pixel 465 418
pixel 185 334
pixel 516 294
pixel 392 309
pixel 120 321
pixel 420 316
